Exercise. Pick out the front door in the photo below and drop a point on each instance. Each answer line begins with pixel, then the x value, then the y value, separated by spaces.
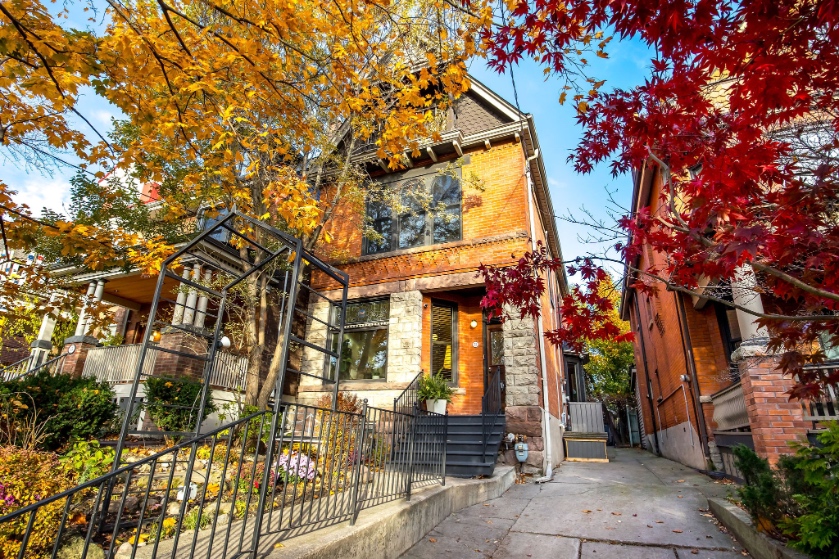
pixel 494 357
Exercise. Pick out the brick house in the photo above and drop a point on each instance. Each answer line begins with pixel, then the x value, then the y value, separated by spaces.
pixel 704 379
pixel 414 295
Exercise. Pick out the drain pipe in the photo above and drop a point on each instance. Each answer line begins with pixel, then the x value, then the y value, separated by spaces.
pixel 543 361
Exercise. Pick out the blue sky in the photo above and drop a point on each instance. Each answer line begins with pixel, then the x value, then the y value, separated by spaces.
pixel 557 129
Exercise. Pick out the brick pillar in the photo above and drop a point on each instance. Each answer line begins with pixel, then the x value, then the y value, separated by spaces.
pixel 76 347
pixel 775 420
pixel 171 365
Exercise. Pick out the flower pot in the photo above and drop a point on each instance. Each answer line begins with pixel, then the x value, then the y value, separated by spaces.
pixel 436 406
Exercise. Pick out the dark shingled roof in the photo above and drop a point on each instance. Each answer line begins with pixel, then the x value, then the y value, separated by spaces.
pixel 474 116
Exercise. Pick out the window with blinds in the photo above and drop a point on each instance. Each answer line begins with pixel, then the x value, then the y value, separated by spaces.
pixel 444 340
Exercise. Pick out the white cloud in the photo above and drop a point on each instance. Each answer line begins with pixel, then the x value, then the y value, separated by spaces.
pixel 556 183
pixel 39 192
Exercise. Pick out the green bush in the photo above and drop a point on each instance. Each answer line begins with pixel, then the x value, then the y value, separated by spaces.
pixel 173 403
pixel 801 497
pixel 88 460
pixel 69 408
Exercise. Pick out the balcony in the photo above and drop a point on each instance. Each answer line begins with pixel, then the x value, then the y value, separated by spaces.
pixel 730 408
pixel 118 364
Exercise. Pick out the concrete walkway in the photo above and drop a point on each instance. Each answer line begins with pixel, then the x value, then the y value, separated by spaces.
pixel 637 506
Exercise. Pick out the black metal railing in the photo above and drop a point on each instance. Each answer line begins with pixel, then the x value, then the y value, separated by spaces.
pixel 28 366
pixel 491 406
pixel 238 490
pixel 408 400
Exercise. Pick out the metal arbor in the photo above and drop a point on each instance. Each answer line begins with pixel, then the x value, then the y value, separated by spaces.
pixel 240 279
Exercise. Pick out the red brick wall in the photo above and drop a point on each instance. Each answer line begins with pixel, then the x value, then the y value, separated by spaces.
pixel 490 217
pixel 775 420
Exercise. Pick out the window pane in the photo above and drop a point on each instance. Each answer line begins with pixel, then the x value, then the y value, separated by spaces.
pixel 381 220
pixel 364 354
pixel 443 359
pixel 496 347
pixel 447 226
pixel 412 221
pixel 367 312
pixel 446 190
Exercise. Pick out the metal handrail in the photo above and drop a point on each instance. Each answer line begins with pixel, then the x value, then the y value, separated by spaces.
pixel 408 398
pixel 491 405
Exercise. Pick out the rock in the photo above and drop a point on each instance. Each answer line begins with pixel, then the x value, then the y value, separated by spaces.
pixel 222 520
pixel 199 477
pixel 224 508
pixel 73 548
pixel 364 475
pixel 124 551
pixel 173 509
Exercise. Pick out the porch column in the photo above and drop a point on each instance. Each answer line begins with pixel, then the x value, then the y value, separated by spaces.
pixel 201 315
pixel 180 301
pixel 744 293
pixel 192 297
pixel 80 326
pixel 42 345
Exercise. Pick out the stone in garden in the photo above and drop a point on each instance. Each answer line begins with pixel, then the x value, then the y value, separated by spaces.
pixel 124 551
pixel 222 519
pixel 74 547
pixel 174 509
pixel 365 475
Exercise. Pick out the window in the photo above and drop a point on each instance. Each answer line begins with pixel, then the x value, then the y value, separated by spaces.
pixel 444 340
pixel 430 206
pixel 363 354
pixel 729 328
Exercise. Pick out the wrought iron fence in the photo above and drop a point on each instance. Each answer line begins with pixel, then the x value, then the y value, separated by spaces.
pixel 29 366
pixel 214 497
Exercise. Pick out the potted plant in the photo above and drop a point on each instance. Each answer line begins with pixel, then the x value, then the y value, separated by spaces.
pixel 436 392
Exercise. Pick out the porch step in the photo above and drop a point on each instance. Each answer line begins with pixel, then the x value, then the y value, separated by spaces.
pixel 466 454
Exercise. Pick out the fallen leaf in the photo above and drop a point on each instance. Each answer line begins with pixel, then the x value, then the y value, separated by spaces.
pixel 694 552
pixel 432 540
pixel 649 526
pixel 634 515
pixel 616 514
pixel 278 545
pixel 659 522
pixel 680 481
pixel 677 531
pixel 586 511
pixel 681 496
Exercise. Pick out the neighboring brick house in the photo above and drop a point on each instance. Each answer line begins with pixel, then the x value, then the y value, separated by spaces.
pixel 414 296
pixel 705 381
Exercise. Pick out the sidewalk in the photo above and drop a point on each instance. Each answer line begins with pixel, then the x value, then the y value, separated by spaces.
pixel 637 506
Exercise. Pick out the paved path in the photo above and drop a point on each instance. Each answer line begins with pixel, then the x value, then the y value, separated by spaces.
pixel 637 506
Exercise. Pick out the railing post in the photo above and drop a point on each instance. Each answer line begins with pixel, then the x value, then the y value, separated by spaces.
pixel 359 454
pixel 411 438
pixel 445 444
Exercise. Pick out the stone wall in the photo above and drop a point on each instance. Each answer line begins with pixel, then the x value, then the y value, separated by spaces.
pixel 404 353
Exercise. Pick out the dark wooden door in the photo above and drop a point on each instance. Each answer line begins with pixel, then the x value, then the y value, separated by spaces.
pixel 494 357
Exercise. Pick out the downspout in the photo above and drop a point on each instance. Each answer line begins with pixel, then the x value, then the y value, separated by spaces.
pixel 540 325
pixel 647 374
pixel 691 363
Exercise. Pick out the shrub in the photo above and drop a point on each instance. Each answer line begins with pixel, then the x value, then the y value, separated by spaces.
pixel 173 403
pixel 801 497
pixel 69 408
pixel 88 460
pixel 27 476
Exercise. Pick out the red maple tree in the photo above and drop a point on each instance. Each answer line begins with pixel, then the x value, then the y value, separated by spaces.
pixel 746 91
